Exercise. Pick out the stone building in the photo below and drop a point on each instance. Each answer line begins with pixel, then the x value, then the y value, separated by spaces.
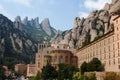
pixel 21 68
pixel 54 55
pixel 106 48
pixel 31 70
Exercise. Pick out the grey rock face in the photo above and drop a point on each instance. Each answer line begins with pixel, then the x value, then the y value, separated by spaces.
pixel 17 19
pixel 36 22
pixel 46 26
pixel 25 21
pixel 115 7
pixel 106 7
pixel 93 34
pixel 95 25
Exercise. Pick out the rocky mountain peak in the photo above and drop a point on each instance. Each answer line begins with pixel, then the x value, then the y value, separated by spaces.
pixel 25 20
pixel 107 6
pixel 91 28
pixel 45 24
pixel 17 19
pixel 36 22
pixel 115 7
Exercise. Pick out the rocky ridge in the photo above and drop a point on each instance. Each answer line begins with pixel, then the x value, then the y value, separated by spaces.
pixel 19 39
pixel 16 45
pixel 86 30
pixel 38 31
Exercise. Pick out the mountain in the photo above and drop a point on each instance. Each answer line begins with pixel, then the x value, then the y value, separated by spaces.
pixel 38 31
pixel 86 30
pixel 15 44
pixel 19 39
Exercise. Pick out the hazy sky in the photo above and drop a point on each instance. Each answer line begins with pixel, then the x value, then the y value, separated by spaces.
pixel 61 13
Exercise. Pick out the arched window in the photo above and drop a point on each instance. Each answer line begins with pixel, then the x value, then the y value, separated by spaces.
pixel 61 59
pixel 66 59
pixel 54 58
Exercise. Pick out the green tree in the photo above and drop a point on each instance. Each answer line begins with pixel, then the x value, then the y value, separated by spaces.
pixel 95 65
pixel 66 71
pixel 91 76
pixel 49 72
pixel 110 76
pixel 38 76
pixel 83 67
pixel 2 76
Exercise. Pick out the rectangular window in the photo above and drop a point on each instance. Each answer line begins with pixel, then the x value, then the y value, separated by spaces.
pixel 118 60
pixel 113 47
pixel 113 39
pixel 118 53
pixel 109 62
pixel 116 21
pixel 118 45
pixel 113 61
pixel 119 66
pixel 114 54
pixel 117 36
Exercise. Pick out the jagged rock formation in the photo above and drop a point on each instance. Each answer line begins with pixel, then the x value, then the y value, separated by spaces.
pixel 115 7
pixel 38 31
pixel 19 39
pixel 45 24
pixel 15 45
pixel 87 30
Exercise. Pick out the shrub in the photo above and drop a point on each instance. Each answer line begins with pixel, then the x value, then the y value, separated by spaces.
pixel 112 76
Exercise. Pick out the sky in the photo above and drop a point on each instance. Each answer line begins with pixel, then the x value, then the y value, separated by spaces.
pixel 61 13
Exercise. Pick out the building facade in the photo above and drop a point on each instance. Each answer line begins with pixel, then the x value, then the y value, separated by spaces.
pixel 21 68
pixel 31 70
pixel 55 54
pixel 106 49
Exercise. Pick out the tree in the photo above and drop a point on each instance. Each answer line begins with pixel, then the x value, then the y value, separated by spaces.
pixel 90 76
pixel 96 65
pixel 38 76
pixel 66 71
pixel 48 72
pixel 83 67
pixel 2 76
pixel 110 76
pixel 93 65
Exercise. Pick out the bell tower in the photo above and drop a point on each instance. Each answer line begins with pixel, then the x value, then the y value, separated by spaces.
pixel 41 47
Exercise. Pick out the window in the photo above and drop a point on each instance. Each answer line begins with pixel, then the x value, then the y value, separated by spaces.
pixel 113 39
pixel 55 59
pixel 109 55
pixel 118 45
pixel 104 62
pixel 114 54
pixel 118 60
pixel 109 62
pixel 47 51
pixel 113 61
pixel 61 59
pixel 119 66
pixel 108 40
pixel 57 46
pixel 104 50
pixel 116 21
pixel 113 47
pixel 117 28
pixel 118 53
pixel 109 48
pixel 117 36
pixel 66 58
pixel 38 64
pixel 104 56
